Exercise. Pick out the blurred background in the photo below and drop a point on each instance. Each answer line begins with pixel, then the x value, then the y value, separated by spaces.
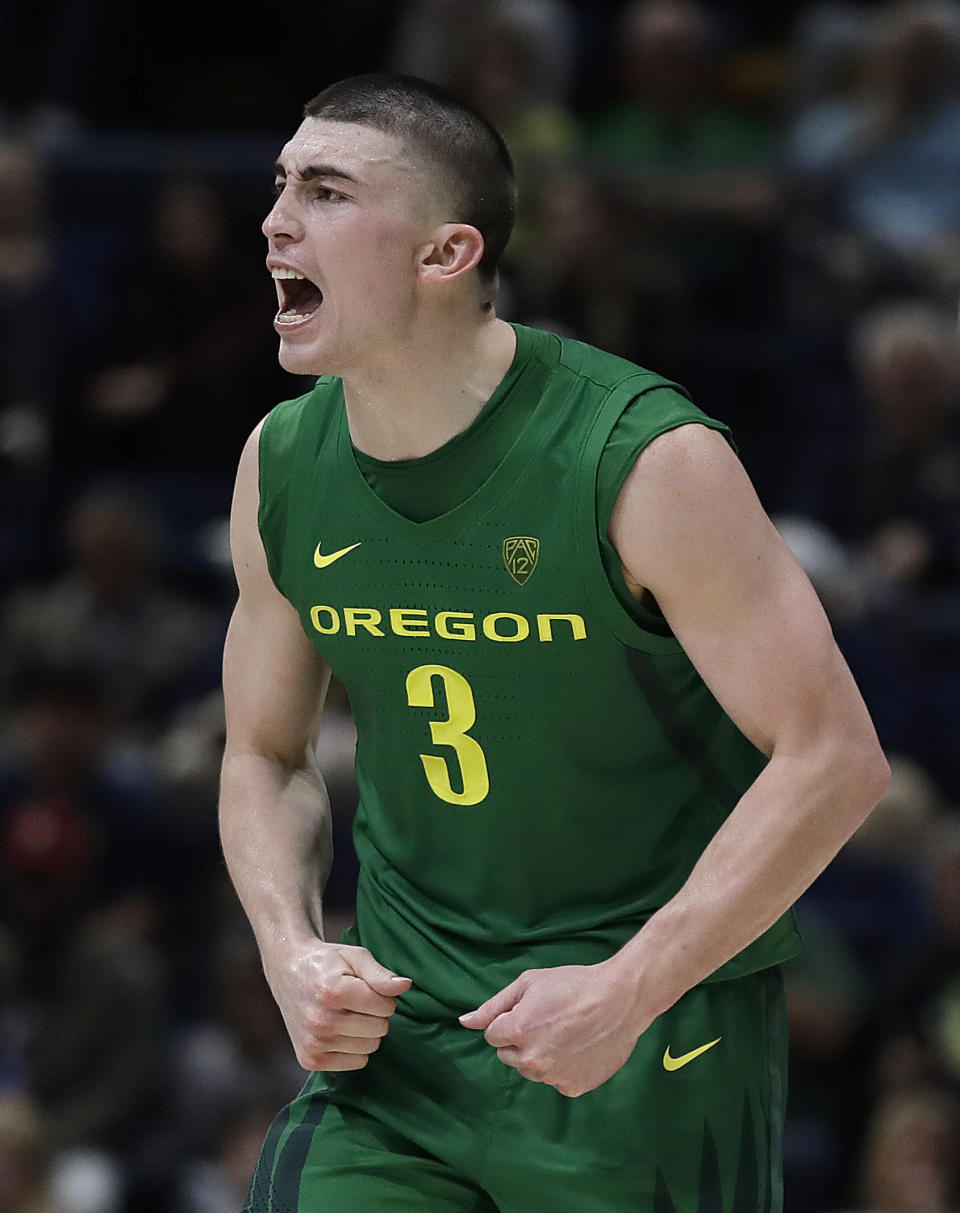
pixel 762 203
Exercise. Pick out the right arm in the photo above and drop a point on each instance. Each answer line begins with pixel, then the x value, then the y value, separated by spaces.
pixel 336 999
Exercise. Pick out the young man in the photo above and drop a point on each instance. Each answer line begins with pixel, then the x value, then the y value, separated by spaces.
pixel 605 736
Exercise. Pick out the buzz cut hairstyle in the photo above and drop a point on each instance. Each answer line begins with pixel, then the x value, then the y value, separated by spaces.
pixel 473 159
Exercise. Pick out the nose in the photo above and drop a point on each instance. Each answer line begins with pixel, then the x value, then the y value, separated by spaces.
pixel 282 226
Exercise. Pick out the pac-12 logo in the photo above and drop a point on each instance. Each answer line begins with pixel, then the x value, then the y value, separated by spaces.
pixel 520 554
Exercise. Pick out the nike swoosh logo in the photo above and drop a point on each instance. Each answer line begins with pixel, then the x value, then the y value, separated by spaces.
pixel 322 561
pixel 677 1063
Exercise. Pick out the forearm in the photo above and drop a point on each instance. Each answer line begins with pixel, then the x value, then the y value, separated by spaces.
pixel 783 832
pixel 276 837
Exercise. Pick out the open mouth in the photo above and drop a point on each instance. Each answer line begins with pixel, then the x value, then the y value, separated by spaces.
pixel 299 297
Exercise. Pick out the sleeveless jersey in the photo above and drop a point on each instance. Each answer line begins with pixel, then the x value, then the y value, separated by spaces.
pixel 540 767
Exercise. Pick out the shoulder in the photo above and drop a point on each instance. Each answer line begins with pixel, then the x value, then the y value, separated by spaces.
pixel 657 408
pixel 283 426
pixel 637 404
pixel 292 433
pixel 621 405
pixel 268 458
pixel 662 416
pixel 686 502
pixel 604 370
pixel 690 459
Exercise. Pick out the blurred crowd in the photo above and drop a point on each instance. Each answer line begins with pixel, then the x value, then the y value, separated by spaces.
pixel 763 207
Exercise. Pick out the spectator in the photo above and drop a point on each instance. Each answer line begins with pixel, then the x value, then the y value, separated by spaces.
pixel 690 157
pixel 111 612
pixel 906 495
pixel 873 894
pixel 512 60
pixel 429 37
pixel 62 772
pixel 585 275
pixel 497 72
pixel 888 159
pixel 238 1057
pixel 909 1158
pixel 219 1185
pixel 861 922
pixel 829 994
pixel 187 365
pixel 921 1042
pixel 80 999
pixel 878 463
pixel 695 178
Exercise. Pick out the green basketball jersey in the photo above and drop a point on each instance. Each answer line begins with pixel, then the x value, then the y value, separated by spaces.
pixel 539 766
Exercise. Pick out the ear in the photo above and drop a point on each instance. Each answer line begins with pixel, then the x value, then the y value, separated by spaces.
pixel 456 248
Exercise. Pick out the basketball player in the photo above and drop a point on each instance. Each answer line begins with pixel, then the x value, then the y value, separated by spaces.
pixel 605 736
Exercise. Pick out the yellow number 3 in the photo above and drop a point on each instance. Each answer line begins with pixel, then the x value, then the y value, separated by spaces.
pixel 452 732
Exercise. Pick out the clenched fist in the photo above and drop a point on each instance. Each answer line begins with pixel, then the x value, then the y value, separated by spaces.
pixel 336 1001
pixel 571 1027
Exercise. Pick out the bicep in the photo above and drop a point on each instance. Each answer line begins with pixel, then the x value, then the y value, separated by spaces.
pixel 274 680
pixel 688 526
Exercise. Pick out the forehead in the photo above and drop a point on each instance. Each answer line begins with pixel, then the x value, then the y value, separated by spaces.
pixel 373 157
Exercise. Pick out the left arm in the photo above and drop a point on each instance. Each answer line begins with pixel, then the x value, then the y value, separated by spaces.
pixel 688 527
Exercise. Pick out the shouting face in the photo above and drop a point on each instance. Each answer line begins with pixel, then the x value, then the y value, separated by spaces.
pixel 352 221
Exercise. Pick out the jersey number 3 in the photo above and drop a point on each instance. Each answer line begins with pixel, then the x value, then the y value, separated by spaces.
pixel 461 715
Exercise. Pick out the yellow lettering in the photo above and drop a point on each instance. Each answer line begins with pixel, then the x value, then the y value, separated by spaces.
pixel 409 621
pixel 452 732
pixel 545 626
pixel 503 627
pixel 490 627
pixel 334 625
pixel 459 627
pixel 361 617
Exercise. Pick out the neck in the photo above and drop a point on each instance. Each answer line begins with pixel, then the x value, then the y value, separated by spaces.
pixel 429 387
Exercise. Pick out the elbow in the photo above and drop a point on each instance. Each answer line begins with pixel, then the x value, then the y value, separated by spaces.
pixel 867 776
pixel 881 771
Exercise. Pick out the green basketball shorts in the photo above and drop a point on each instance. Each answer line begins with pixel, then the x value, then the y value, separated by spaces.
pixel 436 1123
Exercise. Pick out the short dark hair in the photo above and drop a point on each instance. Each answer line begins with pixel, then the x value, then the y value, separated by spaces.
pixel 469 151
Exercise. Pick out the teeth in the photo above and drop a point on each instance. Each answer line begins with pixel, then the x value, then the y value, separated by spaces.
pixel 280 272
pixel 289 317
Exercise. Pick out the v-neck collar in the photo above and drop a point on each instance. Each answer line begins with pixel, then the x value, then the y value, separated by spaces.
pixel 535 351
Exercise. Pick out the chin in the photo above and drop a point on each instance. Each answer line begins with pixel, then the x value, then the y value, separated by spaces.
pixel 299 361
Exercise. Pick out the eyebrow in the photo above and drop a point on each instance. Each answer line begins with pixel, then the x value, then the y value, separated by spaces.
pixel 313 171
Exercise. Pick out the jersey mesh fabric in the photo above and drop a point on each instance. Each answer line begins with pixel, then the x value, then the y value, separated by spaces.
pixel 538 770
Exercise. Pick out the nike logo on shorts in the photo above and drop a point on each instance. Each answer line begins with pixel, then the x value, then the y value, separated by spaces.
pixel 677 1063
